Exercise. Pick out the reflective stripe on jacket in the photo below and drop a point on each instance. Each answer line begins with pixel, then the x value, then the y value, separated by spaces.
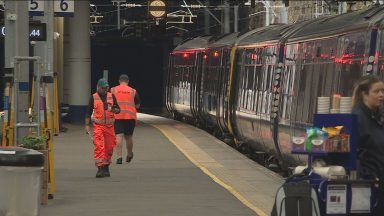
pixel 100 114
pixel 125 97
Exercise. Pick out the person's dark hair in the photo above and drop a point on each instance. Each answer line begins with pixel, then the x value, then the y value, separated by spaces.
pixel 363 86
pixel 124 78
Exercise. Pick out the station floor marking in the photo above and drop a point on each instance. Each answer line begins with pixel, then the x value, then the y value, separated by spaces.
pixel 240 197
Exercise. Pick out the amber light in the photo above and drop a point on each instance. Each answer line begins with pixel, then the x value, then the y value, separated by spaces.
pixel 216 54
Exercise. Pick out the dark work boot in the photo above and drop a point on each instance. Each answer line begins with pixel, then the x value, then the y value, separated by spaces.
pixel 106 171
pixel 100 172
pixel 119 161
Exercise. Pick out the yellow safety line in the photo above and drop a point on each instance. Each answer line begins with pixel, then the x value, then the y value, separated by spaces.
pixel 214 177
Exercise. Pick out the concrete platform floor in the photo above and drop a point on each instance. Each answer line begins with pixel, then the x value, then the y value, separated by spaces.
pixel 177 170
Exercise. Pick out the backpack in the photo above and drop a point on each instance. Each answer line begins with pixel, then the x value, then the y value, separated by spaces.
pixel 296 199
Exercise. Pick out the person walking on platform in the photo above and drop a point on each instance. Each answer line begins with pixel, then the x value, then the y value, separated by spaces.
pixel 102 107
pixel 129 101
pixel 368 102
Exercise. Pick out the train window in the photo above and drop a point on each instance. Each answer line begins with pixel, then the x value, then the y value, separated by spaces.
pixel 321 72
pixel 248 87
pixel 349 59
pixel 241 66
pixel 305 91
pixel 210 84
pixel 308 53
pixel 258 89
pixel 310 80
pixel 286 87
pixel 252 90
pixel 269 60
pixel 325 67
pixel 247 79
pixel 288 83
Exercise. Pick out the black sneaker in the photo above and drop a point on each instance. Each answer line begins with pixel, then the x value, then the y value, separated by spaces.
pixel 100 172
pixel 106 171
pixel 129 158
pixel 119 161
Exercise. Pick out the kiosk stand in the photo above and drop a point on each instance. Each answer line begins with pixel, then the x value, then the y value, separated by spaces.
pixel 343 195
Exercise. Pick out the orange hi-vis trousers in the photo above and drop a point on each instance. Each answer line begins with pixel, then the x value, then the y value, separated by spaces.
pixel 104 141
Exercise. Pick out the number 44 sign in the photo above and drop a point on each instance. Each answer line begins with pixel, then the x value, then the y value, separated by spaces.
pixel 63 8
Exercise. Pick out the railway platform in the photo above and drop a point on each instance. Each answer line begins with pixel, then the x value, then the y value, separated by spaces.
pixel 177 169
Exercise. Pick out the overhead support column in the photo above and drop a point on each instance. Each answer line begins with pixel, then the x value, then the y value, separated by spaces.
pixel 206 19
pixel 77 62
pixel 44 49
pixel 59 54
pixel 227 17
pixel 284 14
pixel 16 22
pixel 236 18
pixel 267 16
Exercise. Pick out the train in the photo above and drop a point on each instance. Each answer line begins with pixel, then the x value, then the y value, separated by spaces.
pixel 260 87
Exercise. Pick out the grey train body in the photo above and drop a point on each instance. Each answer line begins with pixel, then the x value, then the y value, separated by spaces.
pixel 261 87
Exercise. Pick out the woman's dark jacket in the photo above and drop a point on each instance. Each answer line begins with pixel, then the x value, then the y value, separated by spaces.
pixel 371 141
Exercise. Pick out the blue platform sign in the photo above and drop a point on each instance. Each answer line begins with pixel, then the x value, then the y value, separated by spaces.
pixel 62 8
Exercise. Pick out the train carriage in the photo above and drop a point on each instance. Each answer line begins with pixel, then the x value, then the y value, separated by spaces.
pixel 275 75
pixel 184 78
pixel 216 66
pixel 257 57
pixel 324 58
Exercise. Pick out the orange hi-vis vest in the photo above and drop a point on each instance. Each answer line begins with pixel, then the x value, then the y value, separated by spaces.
pixel 125 97
pixel 100 115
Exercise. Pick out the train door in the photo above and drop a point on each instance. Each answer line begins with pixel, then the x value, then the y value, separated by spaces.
pixel 203 85
pixel 216 84
pixel 169 84
pixel 249 96
pixel 175 84
pixel 183 71
pixel 222 109
pixel 206 84
pixel 269 54
pixel 196 85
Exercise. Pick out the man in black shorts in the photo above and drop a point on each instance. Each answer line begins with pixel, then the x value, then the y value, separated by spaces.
pixel 125 122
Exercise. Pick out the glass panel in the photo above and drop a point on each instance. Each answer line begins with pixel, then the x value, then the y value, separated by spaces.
pixel 350 61
pixel 289 84
pixel 269 57
pixel 240 82
pixel 305 87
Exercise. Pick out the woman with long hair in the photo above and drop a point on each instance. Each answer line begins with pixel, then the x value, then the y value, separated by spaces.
pixel 368 103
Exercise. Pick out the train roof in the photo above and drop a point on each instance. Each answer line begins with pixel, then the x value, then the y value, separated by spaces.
pixel 334 25
pixel 269 33
pixel 225 40
pixel 197 43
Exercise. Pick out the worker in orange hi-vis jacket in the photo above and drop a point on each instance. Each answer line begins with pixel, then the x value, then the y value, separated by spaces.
pixel 102 107
pixel 129 101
